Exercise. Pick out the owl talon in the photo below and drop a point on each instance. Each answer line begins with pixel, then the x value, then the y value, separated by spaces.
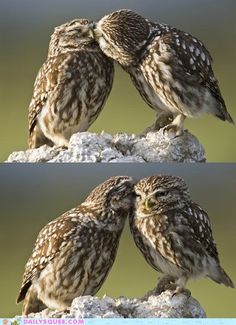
pixel 183 291
pixel 162 121
pixel 166 283
pixel 173 129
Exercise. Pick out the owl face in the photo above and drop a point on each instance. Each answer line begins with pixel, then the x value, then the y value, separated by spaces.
pixel 121 35
pixel 160 193
pixel 116 193
pixel 72 34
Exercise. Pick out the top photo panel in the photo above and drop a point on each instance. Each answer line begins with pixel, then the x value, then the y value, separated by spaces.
pixel 121 81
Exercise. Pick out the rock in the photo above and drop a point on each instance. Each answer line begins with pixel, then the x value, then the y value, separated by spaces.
pixel 164 305
pixel 91 147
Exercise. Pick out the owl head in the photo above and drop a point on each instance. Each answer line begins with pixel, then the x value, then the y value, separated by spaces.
pixel 121 35
pixel 161 193
pixel 114 194
pixel 71 35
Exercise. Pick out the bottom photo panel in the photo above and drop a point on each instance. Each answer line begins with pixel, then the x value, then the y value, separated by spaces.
pixel 118 240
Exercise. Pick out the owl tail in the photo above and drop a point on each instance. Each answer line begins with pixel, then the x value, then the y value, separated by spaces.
pixel 221 277
pixel 229 118
pixel 224 115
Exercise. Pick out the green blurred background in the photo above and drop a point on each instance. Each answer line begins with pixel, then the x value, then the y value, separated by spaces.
pixel 32 195
pixel 25 28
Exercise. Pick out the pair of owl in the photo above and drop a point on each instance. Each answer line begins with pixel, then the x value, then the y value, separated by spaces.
pixel 171 70
pixel 74 253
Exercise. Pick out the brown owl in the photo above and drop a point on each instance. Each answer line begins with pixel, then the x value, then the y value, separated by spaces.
pixel 74 253
pixel 171 69
pixel 174 233
pixel 71 87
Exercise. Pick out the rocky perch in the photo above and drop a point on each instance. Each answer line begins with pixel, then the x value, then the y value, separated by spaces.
pixel 164 305
pixel 121 147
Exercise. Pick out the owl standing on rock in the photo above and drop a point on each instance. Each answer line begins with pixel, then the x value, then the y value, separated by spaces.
pixel 171 69
pixel 74 253
pixel 174 233
pixel 71 87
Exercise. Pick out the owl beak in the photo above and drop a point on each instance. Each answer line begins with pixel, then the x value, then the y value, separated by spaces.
pixel 92 25
pixel 91 28
pixel 149 203
pixel 87 31
pixel 95 30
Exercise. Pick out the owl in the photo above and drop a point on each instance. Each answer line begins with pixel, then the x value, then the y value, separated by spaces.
pixel 171 69
pixel 71 87
pixel 74 253
pixel 174 233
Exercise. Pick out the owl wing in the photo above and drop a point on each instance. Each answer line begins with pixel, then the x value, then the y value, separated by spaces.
pixel 50 82
pixel 185 234
pixel 52 239
pixel 201 227
pixel 45 82
pixel 188 57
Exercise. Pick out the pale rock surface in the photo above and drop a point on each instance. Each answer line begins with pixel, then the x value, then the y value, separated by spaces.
pixel 163 305
pixel 121 147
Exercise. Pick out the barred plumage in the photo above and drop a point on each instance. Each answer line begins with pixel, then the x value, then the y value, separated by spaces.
pixel 74 253
pixel 174 233
pixel 71 87
pixel 171 69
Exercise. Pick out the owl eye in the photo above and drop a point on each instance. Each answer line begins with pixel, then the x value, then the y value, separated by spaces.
pixel 161 193
pixel 70 32
pixel 137 196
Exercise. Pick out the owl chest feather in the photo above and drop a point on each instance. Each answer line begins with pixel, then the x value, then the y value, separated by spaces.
pixel 150 239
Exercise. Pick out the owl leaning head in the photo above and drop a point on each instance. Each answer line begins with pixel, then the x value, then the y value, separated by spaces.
pixel 72 34
pixel 121 35
pixel 161 193
pixel 115 194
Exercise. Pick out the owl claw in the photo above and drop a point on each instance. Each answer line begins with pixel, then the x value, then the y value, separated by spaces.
pixel 166 283
pixel 183 291
pixel 176 127
pixel 169 283
pixel 173 129
pixel 161 122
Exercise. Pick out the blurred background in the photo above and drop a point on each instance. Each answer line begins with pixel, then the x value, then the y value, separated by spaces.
pixel 25 28
pixel 32 195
